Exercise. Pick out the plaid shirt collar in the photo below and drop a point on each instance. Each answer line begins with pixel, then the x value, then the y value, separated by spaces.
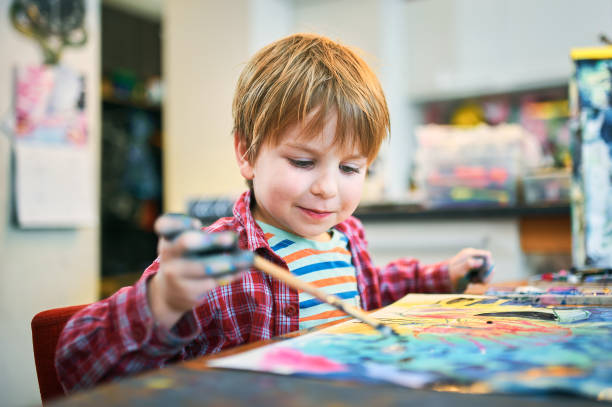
pixel 255 238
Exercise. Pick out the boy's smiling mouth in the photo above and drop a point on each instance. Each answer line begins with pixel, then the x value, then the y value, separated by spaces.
pixel 313 213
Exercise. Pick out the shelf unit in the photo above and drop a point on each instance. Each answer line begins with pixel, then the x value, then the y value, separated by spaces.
pixel 131 165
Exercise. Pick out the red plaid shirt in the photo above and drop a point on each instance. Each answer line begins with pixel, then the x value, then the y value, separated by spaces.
pixel 118 336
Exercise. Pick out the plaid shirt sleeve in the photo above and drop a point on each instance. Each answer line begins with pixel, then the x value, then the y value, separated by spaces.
pixel 383 286
pixel 118 336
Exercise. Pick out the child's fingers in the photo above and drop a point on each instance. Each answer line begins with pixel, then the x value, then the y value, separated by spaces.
pixel 475 262
pixel 197 243
pixel 477 258
pixel 183 294
pixel 221 265
pixel 212 266
pixel 170 225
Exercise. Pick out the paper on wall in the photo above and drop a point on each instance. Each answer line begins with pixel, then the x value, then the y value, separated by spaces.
pixel 53 185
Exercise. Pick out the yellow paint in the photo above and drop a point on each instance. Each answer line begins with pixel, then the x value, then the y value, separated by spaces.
pixel 591 53
pixel 420 313
pixel 475 388
pixel 160 383
pixel 553 371
pixel 605 394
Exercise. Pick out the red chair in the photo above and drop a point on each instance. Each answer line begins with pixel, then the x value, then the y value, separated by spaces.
pixel 46 328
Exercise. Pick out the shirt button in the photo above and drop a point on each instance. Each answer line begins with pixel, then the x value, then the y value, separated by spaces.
pixel 290 310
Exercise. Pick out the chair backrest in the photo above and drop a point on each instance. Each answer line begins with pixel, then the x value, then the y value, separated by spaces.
pixel 46 328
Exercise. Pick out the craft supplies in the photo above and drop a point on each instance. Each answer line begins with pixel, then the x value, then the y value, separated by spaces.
pixel 555 295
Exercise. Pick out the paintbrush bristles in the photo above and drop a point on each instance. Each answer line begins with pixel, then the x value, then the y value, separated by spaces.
pixel 292 281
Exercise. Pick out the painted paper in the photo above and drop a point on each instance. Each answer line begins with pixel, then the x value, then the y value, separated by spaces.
pixel 473 344
pixel 53 166
pixel 592 162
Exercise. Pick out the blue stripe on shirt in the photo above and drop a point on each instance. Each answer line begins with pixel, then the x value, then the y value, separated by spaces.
pixel 314 301
pixel 320 266
pixel 282 244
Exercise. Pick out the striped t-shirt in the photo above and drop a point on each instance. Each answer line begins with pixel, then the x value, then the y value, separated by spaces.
pixel 327 265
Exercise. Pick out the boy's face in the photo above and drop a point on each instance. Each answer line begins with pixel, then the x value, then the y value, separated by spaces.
pixel 304 186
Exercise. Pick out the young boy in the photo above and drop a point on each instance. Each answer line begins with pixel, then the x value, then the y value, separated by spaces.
pixel 309 117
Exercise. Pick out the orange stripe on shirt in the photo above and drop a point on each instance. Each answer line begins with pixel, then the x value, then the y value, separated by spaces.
pixel 333 280
pixel 324 315
pixel 307 252
pixel 268 235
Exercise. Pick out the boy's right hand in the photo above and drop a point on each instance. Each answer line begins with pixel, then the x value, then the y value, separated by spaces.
pixel 184 279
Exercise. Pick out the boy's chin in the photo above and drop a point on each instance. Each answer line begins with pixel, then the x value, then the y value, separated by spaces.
pixel 319 233
pixel 322 237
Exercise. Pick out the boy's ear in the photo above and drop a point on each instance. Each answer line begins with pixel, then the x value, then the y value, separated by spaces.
pixel 246 169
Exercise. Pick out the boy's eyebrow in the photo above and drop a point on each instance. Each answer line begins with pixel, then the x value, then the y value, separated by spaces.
pixel 315 151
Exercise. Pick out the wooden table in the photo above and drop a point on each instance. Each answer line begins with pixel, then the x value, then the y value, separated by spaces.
pixel 193 383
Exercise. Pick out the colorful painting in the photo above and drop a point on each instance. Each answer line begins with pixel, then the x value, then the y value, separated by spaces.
pixel 592 160
pixel 471 344
pixel 53 165
pixel 50 105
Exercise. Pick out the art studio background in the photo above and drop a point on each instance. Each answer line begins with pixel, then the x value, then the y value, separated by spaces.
pixel 146 130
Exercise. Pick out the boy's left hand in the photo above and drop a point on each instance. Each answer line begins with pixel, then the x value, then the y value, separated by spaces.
pixel 465 261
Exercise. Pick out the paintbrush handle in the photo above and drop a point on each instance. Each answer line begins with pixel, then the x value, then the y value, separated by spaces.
pixel 292 281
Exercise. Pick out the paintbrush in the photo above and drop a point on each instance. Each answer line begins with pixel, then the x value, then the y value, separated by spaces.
pixel 292 281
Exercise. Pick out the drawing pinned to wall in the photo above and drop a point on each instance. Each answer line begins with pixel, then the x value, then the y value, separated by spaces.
pixel 53 171
pixel 591 98
pixel 472 344
pixel 50 105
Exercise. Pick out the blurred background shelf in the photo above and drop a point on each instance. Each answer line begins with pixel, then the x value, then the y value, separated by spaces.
pixel 114 102
pixel 395 212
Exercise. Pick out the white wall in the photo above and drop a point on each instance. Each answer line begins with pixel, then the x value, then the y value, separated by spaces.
pixel 205 44
pixel 465 47
pixel 41 269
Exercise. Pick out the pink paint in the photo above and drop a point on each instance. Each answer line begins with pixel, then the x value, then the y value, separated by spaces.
pixel 480 346
pixel 296 361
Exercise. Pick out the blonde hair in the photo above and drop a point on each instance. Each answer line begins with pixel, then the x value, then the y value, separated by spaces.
pixel 309 75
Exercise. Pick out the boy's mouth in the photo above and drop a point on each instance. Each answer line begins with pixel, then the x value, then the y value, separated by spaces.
pixel 313 213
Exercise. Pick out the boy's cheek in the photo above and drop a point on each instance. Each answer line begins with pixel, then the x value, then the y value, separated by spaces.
pixel 289 180
pixel 352 195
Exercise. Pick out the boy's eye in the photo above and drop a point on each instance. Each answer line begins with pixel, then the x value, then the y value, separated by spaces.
pixel 349 169
pixel 300 163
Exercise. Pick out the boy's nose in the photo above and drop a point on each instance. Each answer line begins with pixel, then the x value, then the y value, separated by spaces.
pixel 325 185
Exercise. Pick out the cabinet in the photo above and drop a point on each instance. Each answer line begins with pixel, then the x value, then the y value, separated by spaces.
pixel 131 164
